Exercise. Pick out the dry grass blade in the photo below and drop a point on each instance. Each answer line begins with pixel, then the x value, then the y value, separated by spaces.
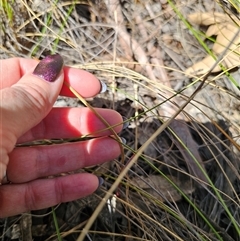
pixel 157 186
pixel 225 29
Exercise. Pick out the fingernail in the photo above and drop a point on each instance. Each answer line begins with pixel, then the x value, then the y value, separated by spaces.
pixel 123 140
pixel 103 87
pixel 125 122
pixel 49 68
pixel 3 176
pixel 100 181
pixel 5 179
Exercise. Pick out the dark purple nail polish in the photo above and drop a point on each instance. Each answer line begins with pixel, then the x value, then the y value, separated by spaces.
pixel 49 68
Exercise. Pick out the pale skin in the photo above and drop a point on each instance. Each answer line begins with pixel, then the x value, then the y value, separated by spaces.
pixel 26 114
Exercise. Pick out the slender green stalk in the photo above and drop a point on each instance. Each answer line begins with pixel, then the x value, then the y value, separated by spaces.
pixel 56 224
pixel 49 22
pixel 187 199
pixel 63 25
pixel 198 36
pixel 235 83
pixel 44 29
pixel 7 8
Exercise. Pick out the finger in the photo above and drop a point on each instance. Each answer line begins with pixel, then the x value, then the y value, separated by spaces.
pixel 72 123
pixel 11 70
pixel 86 84
pixel 44 193
pixel 27 102
pixel 29 163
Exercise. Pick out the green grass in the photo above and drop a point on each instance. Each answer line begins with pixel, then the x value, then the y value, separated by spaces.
pixel 7 8
pixel 200 36
pixel 48 22
pixel 56 225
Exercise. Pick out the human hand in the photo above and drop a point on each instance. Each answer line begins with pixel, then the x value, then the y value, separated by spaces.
pixel 26 114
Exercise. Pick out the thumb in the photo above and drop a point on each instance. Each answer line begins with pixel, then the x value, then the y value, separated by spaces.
pixel 27 102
